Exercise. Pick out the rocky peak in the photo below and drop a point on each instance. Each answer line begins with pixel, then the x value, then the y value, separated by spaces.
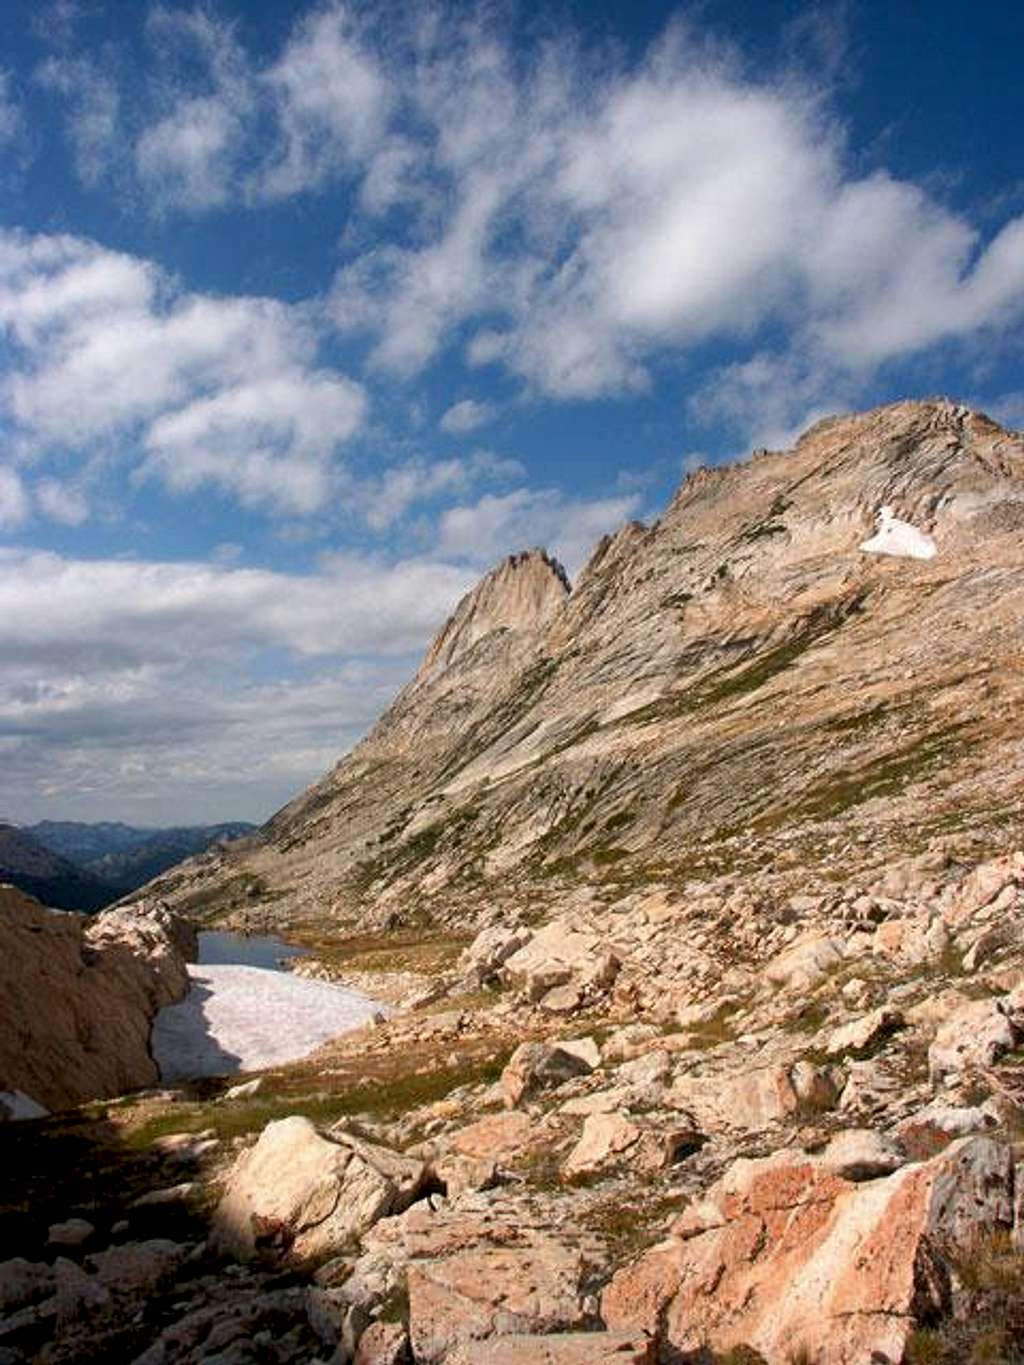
pixel 524 593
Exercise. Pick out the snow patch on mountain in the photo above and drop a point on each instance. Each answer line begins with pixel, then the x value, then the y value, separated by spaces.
pixel 897 537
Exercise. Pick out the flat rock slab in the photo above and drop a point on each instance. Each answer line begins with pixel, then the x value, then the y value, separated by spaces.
pixel 240 1018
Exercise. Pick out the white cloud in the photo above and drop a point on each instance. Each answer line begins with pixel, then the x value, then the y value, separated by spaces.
pixel 465 416
pixel 570 218
pixel 497 525
pixel 92 121
pixel 222 391
pixel 267 442
pixel 331 100
pixel 14 504
pixel 185 159
pixel 388 498
pixel 188 158
pixel 128 681
pixel 61 502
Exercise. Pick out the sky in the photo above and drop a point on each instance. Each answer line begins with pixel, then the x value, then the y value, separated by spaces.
pixel 311 312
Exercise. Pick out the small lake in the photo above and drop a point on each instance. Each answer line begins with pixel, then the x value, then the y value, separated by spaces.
pixel 219 949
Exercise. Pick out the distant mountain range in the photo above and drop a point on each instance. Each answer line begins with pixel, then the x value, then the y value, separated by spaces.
pixel 72 865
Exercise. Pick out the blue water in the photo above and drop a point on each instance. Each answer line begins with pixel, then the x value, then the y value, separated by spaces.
pixel 247 950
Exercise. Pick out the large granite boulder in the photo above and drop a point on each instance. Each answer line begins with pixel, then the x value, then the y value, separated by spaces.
pixel 80 995
pixel 304 1193
pixel 785 1255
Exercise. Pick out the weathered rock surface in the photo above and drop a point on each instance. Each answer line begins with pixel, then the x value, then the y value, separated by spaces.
pixel 540 1066
pixel 478 1294
pixel 80 995
pixel 566 1348
pixel 740 665
pixel 306 1194
pixel 784 1255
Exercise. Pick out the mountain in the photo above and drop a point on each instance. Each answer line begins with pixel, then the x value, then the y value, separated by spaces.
pixel 34 869
pixel 131 867
pixel 77 866
pixel 811 658
pixel 84 843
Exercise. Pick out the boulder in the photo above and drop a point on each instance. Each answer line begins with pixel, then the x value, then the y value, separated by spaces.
pixel 74 1232
pixel 862 1154
pixel 490 1292
pixel 306 1194
pixel 494 1138
pixel 976 1035
pixel 103 979
pixel 23 1282
pixel 490 950
pixel 937 1125
pixel 786 1256
pixel 566 1348
pixel 806 963
pixel 539 1066
pixel 611 1139
pixel 383 1343
pixel 563 954
pixel 756 1099
pixel 863 1035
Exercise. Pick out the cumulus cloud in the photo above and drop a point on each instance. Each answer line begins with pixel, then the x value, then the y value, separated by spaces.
pixel 188 157
pixel 465 416
pixel 125 681
pixel 93 112
pixel 498 524
pixel 218 391
pixel 387 499
pixel 331 99
pixel 266 442
pixel 61 502
pixel 571 218
pixel 14 504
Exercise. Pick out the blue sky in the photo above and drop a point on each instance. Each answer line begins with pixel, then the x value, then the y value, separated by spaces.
pixel 311 312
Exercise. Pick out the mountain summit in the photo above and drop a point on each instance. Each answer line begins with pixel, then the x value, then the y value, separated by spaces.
pixel 814 655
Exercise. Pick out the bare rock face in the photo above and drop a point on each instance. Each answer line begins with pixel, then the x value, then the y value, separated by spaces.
pixel 567 1348
pixel 525 592
pixel 786 1255
pixel 539 1066
pixel 80 995
pixel 741 669
pixel 301 1193
pixel 484 1292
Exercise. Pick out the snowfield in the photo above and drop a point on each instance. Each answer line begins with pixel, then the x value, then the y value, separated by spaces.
pixel 897 537
pixel 238 1018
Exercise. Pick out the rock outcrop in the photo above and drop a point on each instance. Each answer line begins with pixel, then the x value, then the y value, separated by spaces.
pixel 740 675
pixel 80 995
pixel 301 1193
pixel 787 1256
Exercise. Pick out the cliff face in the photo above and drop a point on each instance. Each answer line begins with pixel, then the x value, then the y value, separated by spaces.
pixel 813 654
pixel 79 997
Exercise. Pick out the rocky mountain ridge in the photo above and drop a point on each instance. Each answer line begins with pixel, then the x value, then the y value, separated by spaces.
pixel 699 892
pixel 740 685
pixel 71 865
pixel 27 863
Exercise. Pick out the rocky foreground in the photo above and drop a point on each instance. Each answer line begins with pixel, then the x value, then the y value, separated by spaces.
pixel 701 1123
pixel 697 888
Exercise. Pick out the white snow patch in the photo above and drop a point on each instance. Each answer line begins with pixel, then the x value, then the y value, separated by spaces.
pixel 15 1104
pixel 897 537
pixel 238 1018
